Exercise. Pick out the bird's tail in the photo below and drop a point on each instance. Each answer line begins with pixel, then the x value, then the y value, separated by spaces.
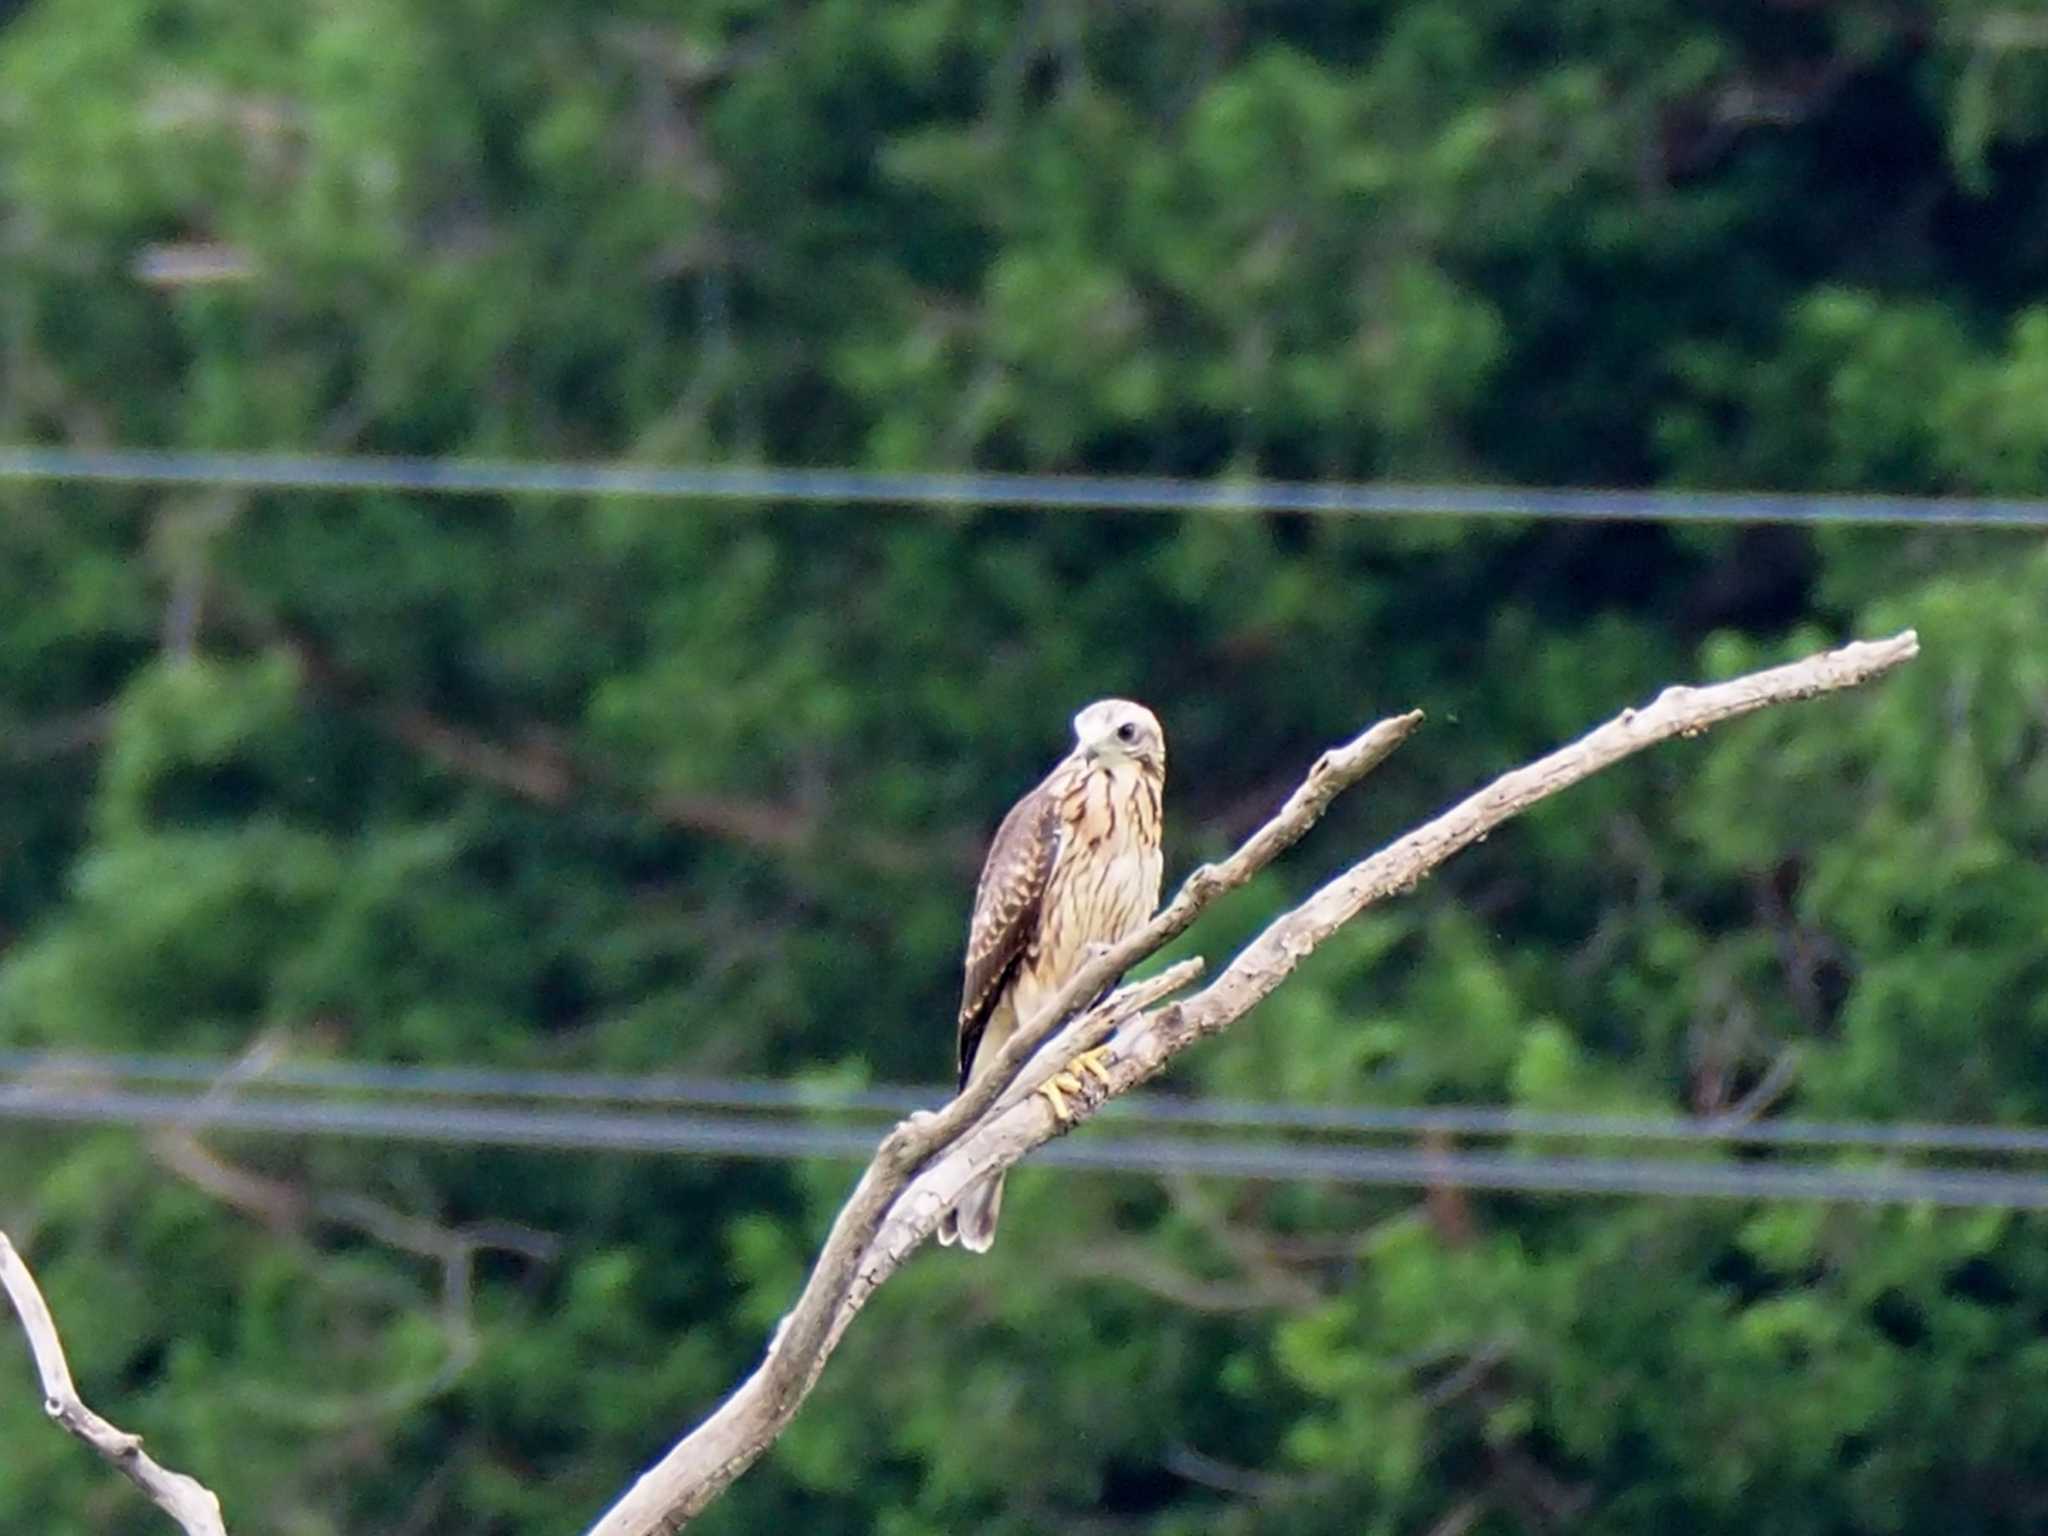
pixel 972 1222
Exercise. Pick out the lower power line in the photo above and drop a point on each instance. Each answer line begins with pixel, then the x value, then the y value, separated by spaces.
pixel 444 1084
pixel 712 1135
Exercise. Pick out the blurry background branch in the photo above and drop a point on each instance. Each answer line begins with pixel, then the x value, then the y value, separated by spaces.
pixel 294 1211
pixel 542 765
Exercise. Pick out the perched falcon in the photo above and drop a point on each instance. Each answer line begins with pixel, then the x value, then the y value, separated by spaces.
pixel 1075 864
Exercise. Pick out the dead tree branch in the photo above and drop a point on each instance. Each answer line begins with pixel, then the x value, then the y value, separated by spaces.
pixel 190 1503
pixel 923 1165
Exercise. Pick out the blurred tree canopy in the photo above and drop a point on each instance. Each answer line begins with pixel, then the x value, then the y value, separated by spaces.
pixel 641 786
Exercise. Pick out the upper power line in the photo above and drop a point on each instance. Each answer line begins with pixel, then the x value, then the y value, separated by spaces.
pixel 1097 493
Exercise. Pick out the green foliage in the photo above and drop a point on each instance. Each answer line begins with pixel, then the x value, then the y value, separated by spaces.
pixel 641 787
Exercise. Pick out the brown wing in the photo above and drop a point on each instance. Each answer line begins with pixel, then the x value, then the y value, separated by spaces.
pixel 1006 903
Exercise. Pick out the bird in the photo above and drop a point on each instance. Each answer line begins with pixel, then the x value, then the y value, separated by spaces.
pixel 1074 866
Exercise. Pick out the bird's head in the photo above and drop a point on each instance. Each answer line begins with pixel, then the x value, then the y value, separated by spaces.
pixel 1116 731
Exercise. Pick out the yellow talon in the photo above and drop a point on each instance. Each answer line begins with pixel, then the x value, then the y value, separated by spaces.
pixel 1055 1100
pixel 1056 1088
pixel 1096 1064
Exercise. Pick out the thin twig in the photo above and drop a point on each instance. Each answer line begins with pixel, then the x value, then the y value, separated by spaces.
pixel 186 1501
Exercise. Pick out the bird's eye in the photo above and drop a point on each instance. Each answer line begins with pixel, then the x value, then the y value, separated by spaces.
pixel 1127 732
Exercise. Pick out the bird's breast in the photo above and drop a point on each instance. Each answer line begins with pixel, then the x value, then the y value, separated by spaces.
pixel 1105 882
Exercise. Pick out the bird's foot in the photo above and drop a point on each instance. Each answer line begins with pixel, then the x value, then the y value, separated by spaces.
pixel 1096 1064
pixel 1054 1090
pixel 1055 1100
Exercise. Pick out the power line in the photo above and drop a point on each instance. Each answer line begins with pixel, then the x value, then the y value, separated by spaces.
pixel 465 477
pixel 454 1084
pixel 585 1130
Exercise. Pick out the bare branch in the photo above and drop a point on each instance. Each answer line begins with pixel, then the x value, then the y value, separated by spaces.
pixel 998 1121
pixel 190 1503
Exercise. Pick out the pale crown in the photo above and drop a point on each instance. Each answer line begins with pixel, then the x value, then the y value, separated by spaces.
pixel 1116 730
